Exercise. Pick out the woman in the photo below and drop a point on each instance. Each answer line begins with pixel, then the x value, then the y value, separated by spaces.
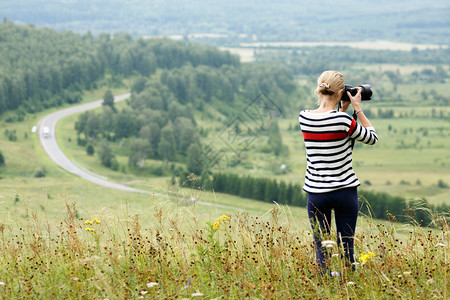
pixel 330 181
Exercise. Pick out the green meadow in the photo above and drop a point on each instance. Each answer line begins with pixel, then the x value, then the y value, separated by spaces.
pixel 112 244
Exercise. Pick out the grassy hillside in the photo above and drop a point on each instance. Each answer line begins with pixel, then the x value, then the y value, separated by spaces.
pixel 64 237
pixel 172 252
pixel 110 244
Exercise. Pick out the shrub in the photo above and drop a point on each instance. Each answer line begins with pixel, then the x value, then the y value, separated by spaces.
pixel 2 159
pixel 442 184
pixel 41 172
pixel 90 150
pixel 81 142
pixel 114 164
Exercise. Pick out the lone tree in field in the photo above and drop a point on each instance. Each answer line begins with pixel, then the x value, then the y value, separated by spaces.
pixel 2 159
pixel 108 100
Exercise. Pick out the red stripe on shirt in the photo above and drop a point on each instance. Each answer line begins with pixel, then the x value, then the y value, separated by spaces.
pixel 324 136
pixel 352 127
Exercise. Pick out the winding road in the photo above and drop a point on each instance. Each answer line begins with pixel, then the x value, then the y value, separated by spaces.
pixel 50 145
pixel 47 137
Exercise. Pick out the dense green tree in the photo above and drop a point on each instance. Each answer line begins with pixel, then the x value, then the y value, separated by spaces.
pixel 152 134
pixel 106 154
pixel 90 150
pixel 282 193
pixel 92 128
pixel 271 191
pixel 259 188
pixel 298 197
pixel 125 124
pixel 108 99
pixel 219 182
pixel 246 187
pixel 193 163
pixel 106 120
pixel 138 85
pixel 2 159
pixel 233 184
pixel 166 149
pixel 167 145
pixel 275 141
pixel 185 134
pixel 80 124
pixel 139 149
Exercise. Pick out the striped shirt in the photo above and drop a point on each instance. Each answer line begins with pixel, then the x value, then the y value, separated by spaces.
pixel 328 142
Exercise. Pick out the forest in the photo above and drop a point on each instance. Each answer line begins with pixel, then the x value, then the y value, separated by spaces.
pixel 41 68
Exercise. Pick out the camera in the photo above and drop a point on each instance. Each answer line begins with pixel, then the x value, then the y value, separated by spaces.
pixel 366 92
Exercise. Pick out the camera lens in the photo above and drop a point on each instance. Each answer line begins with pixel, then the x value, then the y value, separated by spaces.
pixel 366 91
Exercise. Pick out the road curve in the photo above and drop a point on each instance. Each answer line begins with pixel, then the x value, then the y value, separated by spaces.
pixel 50 145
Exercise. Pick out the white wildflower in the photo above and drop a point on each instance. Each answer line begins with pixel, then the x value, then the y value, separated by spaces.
pixel 440 245
pixel 407 273
pixel 2 283
pixel 350 283
pixel 152 284
pixel 197 295
pixel 328 243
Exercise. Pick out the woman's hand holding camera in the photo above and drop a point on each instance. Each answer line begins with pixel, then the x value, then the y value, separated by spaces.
pixel 356 103
pixel 355 100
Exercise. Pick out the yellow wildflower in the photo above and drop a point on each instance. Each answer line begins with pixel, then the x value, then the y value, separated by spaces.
pixel 364 257
pixel 216 225
pixel 221 220
pixel 96 221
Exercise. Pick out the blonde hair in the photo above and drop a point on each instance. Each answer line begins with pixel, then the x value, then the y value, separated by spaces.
pixel 330 82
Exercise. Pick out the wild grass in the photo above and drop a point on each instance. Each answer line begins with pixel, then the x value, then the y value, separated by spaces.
pixel 154 249
pixel 226 256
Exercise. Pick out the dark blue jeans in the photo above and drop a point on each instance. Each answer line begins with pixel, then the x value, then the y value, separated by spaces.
pixel 344 202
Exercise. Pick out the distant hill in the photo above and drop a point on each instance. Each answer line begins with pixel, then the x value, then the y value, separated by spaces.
pixel 233 21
